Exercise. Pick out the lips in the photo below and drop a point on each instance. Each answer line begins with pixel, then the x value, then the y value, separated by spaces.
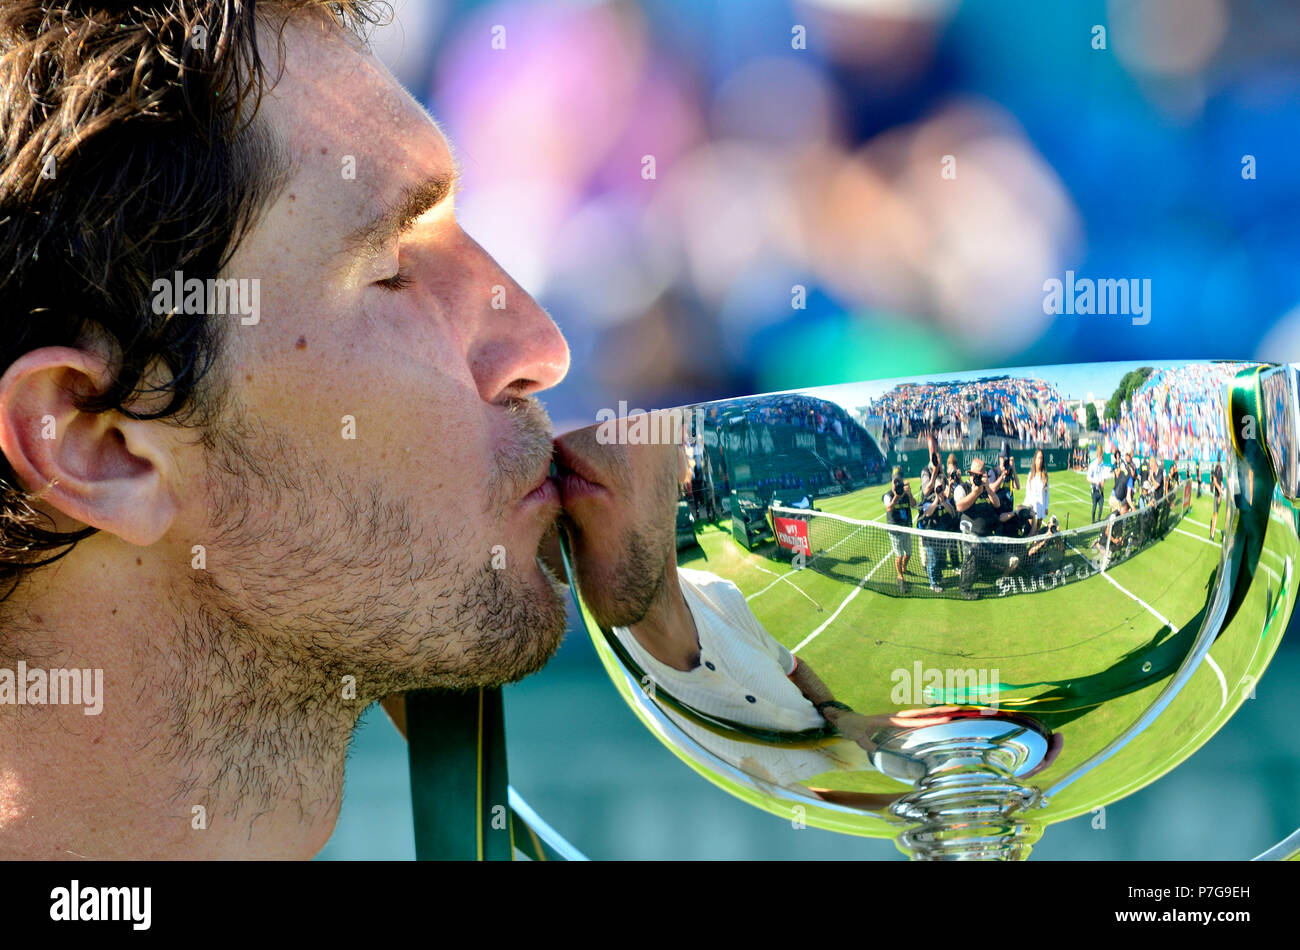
pixel 575 476
pixel 544 490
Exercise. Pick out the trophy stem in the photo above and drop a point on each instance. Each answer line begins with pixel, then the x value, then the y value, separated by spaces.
pixel 967 797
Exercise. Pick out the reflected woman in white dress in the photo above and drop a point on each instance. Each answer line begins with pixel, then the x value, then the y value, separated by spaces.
pixel 1037 489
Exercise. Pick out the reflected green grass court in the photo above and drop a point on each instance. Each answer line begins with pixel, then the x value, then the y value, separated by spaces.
pixel 1093 654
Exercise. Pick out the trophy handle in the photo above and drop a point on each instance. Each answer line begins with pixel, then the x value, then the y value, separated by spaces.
pixel 1255 410
pixel 1280 395
pixel 1288 849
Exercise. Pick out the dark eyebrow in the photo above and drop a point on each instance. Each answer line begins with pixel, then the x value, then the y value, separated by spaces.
pixel 398 216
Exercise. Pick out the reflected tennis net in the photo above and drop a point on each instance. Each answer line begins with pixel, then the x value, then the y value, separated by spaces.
pixel 962 564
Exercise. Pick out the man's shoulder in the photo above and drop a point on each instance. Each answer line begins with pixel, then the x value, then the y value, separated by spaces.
pixel 706 583
pixel 726 606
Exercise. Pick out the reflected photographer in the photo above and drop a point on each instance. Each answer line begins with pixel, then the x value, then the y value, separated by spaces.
pixel 1011 522
pixel 1121 496
pixel 938 513
pixel 979 506
pixel 1097 475
pixel 898 510
pixel 1113 542
pixel 1045 553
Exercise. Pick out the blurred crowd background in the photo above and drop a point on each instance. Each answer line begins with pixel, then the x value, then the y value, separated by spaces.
pixel 964 414
pixel 824 168
pixel 735 196
pixel 1176 413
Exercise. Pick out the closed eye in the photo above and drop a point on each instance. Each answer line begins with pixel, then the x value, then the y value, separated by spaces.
pixel 399 281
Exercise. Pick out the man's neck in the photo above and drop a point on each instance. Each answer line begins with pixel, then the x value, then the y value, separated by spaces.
pixel 207 745
pixel 668 632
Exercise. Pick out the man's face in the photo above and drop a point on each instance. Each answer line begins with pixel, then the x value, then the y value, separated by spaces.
pixel 621 504
pixel 377 491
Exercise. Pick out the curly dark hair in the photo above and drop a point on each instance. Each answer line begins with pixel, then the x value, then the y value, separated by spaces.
pixel 128 151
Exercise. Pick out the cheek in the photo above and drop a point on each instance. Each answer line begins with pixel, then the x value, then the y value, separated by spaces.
pixel 446 441
pixel 408 418
pixel 377 386
pixel 413 325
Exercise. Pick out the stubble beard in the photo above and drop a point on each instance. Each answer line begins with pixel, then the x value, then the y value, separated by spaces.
pixel 622 592
pixel 321 596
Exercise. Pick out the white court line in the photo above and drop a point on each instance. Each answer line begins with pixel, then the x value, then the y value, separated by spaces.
pixel 1194 521
pixel 1142 603
pixel 786 575
pixel 808 639
pixel 779 579
pixel 1083 489
pixel 1079 494
pixel 1197 537
pixel 1077 497
pixel 1223 684
pixel 1066 486
pixel 1068 489
pixel 853 593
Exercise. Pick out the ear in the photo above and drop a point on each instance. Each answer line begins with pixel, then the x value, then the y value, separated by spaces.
pixel 105 469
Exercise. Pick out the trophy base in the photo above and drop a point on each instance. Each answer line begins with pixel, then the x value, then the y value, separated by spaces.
pixel 967 790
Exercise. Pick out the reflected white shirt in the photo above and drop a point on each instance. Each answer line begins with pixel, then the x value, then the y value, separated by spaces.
pixel 747 661
pixel 743 674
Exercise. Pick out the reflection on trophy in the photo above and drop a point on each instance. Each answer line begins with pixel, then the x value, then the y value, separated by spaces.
pixel 698 648
pixel 941 611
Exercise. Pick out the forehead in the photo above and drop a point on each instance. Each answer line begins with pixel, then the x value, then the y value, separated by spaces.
pixel 353 134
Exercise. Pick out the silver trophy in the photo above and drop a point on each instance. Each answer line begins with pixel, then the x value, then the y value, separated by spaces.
pixel 941 611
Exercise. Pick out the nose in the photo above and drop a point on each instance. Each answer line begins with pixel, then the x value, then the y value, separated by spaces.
pixel 518 350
